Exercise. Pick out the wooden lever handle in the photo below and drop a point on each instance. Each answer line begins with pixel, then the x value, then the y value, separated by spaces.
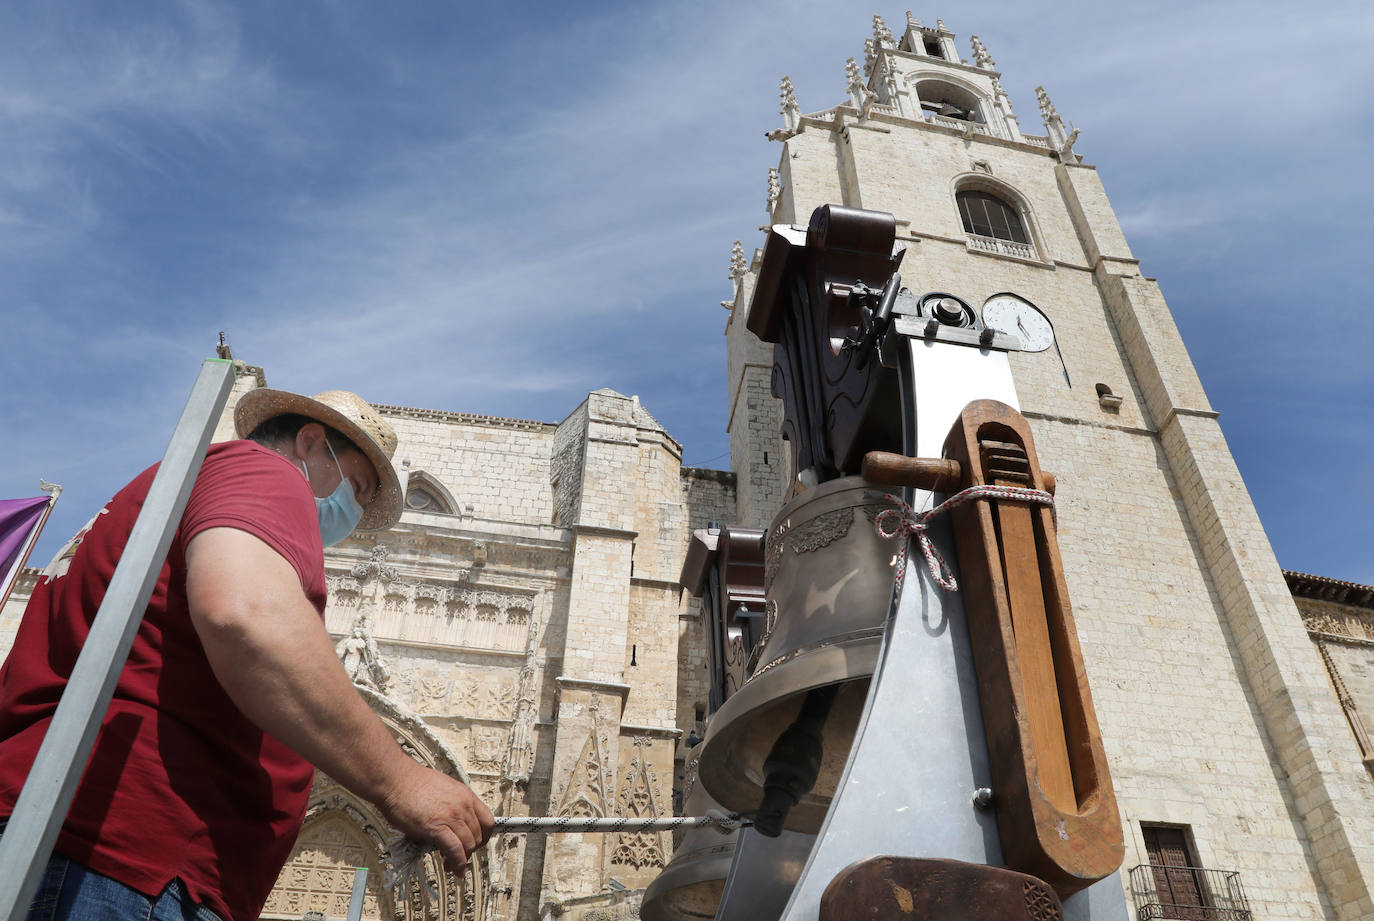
pixel 882 468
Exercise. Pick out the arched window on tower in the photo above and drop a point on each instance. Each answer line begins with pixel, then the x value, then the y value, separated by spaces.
pixel 987 215
pixel 996 218
pixel 940 100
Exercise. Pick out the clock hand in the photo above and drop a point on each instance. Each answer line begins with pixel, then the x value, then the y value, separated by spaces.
pixel 1021 326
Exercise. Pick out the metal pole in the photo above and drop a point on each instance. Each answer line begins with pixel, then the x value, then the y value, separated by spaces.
pixel 52 781
pixel 355 901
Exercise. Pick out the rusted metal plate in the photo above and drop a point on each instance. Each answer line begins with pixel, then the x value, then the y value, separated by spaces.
pixel 923 889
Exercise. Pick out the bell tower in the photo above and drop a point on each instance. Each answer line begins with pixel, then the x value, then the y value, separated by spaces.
pixel 1216 712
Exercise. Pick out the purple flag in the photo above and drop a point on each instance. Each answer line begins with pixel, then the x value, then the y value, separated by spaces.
pixel 18 518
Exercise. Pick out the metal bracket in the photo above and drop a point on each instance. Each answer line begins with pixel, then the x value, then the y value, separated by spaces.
pixel 932 330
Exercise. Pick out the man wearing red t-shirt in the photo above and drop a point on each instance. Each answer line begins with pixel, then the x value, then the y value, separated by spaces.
pixel 197 784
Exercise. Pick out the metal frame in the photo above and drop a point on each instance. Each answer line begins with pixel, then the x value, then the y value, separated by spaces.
pixel 355 900
pixel 56 771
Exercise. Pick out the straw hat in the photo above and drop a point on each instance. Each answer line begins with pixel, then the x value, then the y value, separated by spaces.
pixel 355 419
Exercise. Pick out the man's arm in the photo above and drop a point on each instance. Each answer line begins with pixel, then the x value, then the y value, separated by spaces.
pixel 271 654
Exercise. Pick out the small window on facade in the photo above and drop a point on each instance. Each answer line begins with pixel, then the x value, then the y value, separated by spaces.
pixel 425 494
pixel 988 216
pixel 932 47
pixel 422 500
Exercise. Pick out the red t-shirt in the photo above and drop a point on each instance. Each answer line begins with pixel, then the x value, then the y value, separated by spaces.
pixel 180 783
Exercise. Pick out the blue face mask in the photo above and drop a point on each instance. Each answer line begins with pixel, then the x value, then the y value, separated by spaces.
pixel 339 512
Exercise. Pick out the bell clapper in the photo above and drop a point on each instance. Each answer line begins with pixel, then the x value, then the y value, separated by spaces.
pixel 794 762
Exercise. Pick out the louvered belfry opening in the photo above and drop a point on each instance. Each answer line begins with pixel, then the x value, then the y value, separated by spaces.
pixel 987 215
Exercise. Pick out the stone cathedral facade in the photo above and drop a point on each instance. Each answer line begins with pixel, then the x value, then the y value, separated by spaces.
pixel 523 626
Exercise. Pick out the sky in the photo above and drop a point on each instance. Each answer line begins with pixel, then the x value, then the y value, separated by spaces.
pixel 496 208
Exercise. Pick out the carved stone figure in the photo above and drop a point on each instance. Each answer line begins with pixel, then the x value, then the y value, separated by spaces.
pixel 360 656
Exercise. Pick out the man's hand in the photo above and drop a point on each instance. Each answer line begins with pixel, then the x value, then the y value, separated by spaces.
pixel 434 807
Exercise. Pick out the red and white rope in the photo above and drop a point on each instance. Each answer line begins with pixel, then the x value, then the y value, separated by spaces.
pixel 901 523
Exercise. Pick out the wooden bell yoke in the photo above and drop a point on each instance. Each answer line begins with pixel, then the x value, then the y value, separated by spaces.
pixel 1056 811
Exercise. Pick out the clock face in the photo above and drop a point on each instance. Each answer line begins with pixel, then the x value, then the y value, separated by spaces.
pixel 1009 314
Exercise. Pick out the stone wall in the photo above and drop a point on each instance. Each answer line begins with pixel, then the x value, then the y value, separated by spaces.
pixel 497 469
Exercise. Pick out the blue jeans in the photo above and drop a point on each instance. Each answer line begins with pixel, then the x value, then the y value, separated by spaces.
pixel 71 892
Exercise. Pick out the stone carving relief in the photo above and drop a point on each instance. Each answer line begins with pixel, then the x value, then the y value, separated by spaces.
pixel 396 597
pixel 440 686
pixel 640 799
pixel 429 597
pixel 1337 623
pixel 488 747
pixel 377 566
pixel 360 656
pixel 319 874
pixel 345 590
pixel 499 700
pixel 627 910
pixel 404 609
pixel 521 755
pixel 585 792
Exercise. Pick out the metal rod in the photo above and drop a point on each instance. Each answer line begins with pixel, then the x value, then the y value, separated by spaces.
pixel 355 901
pixel 555 824
pixel 52 781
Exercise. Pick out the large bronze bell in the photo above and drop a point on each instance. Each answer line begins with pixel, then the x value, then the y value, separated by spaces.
pixel 828 583
pixel 690 887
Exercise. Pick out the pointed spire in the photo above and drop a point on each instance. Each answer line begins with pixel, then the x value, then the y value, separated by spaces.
pixel 980 54
pixel 851 72
pixel 882 34
pixel 911 21
pixel 1003 104
pixel 1047 110
pixel 738 265
pixel 870 56
pixel 1061 141
pixel 791 113
pixel 774 193
pixel 854 83
pixel 940 25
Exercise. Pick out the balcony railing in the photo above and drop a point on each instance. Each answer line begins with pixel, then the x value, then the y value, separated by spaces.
pixel 1188 893
pixel 982 244
pixel 960 123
